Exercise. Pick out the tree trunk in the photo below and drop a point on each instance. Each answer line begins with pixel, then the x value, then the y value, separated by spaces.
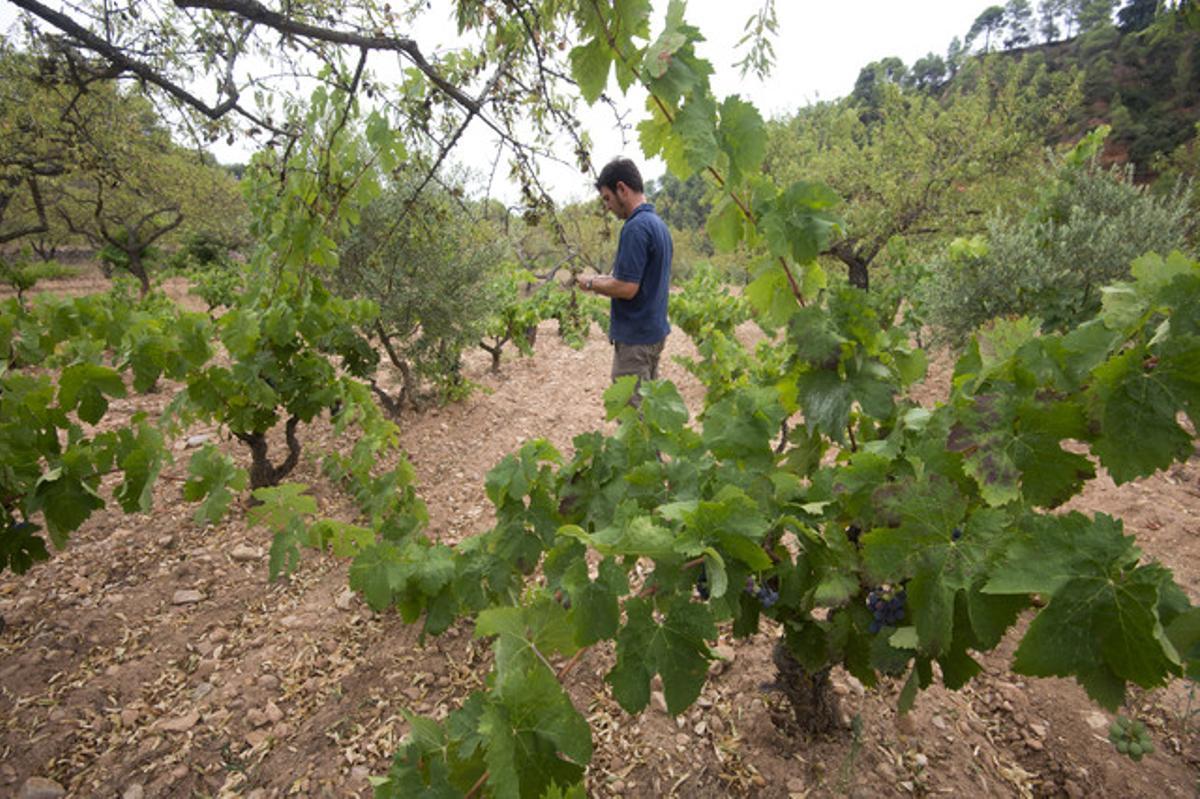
pixel 812 699
pixel 138 270
pixel 859 276
pixel 494 351
pixel 264 474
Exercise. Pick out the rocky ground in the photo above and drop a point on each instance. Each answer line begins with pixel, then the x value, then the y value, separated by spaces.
pixel 152 658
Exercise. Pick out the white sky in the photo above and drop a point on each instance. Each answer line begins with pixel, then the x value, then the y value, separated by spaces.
pixel 820 48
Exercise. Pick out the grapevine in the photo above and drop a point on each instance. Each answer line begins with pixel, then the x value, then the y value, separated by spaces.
pixel 650 532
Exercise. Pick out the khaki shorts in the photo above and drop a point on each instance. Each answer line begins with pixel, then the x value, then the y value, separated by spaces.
pixel 636 359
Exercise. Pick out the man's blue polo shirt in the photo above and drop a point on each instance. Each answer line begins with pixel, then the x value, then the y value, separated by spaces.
pixel 643 257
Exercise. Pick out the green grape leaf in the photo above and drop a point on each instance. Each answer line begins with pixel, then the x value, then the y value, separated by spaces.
pixel 1101 624
pixel 770 294
pixel 141 460
pixel 663 406
pixel 675 649
pixel 595 612
pixel 281 506
pixel 799 223
pixel 346 540
pixel 21 547
pixel 589 66
pixel 66 502
pixel 617 396
pixel 376 573
pixel 1013 448
pixel 1103 632
pixel 213 477
pixel 726 225
pixel 695 127
pixel 742 136
pixel 88 386
pixel 1053 550
pixel 526 635
pixel 527 734
pixel 1139 431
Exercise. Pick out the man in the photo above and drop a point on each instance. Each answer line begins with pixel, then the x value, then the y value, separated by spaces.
pixel 641 275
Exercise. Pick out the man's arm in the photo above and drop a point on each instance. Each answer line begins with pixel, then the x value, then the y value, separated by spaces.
pixel 609 286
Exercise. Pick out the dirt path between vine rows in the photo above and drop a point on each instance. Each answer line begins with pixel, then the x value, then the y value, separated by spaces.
pixel 152 658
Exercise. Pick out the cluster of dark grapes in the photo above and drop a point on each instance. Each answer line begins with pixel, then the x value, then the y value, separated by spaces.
pixel 886 606
pixel 765 594
pixel 956 534
pixel 1130 737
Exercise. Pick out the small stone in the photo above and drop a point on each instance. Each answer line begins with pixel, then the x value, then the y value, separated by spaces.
pixel 920 760
pixel 273 713
pixel 165 541
pixel 202 690
pixel 1073 790
pixel 938 722
pixel 1097 720
pixel 905 723
pixel 129 717
pixel 180 723
pixel 659 701
pixel 795 785
pixel 179 772
pixel 134 791
pixel 1038 729
pixel 257 718
pixel 219 635
pixel 256 738
pixel 268 681
pixel 360 773
pixel 1034 744
pixel 345 600
pixel 700 728
pixel 205 669
pixel 186 596
pixel 41 788
pixel 682 739
pixel 197 440
pixel 887 771
pixel 244 553
pixel 618 787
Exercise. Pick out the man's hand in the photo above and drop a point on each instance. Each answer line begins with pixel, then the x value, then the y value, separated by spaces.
pixel 609 286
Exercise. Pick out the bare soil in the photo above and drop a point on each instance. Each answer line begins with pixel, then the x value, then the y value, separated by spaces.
pixel 112 687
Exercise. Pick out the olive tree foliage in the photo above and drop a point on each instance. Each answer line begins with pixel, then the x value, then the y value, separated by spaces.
pixel 1088 225
pixel 918 166
pixel 90 161
pixel 429 263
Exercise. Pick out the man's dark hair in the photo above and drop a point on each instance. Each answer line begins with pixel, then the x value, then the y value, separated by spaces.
pixel 620 170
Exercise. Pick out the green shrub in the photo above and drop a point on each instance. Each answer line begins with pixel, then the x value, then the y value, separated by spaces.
pixel 429 266
pixel 1087 227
